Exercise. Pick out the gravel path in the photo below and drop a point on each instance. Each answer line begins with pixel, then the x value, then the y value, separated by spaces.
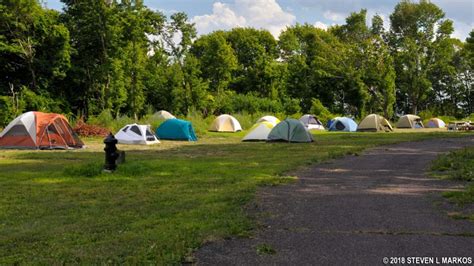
pixel 354 210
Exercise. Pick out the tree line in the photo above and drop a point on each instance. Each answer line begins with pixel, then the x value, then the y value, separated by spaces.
pixel 124 57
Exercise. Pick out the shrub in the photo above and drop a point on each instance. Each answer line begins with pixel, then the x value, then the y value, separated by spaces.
pixel 6 110
pixel 318 109
pixel 200 124
pixel 291 106
pixel 426 114
pixel 104 119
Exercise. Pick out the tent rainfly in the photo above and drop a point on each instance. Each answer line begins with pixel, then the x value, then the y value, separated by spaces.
pixel 269 118
pixel 342 124
pixel 311 122
pixel 409 121
pixel 37 130
pixel 176 129
pixel 435 123
pixel 225 123
pixel 259 131
pixel 136 134
pixel 164 115
pixel 374 123
pixel 290 130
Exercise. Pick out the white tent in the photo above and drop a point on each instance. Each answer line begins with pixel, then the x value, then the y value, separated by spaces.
pixel 164 115
pixel 311 122
pixel 269 118
pixel 259 131
pixel 435 123
pixel 136 134
pixel 225 123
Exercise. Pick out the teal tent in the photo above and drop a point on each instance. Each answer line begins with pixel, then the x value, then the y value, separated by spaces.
pixel 176 129
pixel 290 130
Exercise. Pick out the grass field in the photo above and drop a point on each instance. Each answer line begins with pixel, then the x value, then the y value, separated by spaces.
pixel 58 207
pixel 458 165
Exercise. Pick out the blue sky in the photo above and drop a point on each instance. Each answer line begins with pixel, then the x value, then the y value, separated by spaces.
pixel 275 15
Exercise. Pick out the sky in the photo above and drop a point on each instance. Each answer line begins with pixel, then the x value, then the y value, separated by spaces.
pixel 276 15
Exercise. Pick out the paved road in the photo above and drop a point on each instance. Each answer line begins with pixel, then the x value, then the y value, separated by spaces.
pixel 354 210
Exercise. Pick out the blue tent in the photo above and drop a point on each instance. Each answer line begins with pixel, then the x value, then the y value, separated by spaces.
pixel 176 129
pixel 342 124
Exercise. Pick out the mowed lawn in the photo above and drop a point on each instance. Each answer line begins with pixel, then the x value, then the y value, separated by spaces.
pixel 164 202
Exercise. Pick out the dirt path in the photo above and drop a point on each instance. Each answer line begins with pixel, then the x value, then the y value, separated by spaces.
pixel 355 210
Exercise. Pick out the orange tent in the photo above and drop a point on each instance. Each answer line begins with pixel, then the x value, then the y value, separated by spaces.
pixel 36 130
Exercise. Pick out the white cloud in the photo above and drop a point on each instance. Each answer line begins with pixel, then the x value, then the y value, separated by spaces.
pixel 321 25
pixel 462 30
pixel 222 17
pixel 334 16
pixel 266 14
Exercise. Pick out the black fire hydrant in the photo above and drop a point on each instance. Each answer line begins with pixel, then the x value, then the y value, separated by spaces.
pixel 111 153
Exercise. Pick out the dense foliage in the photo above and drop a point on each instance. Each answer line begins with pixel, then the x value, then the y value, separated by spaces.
pixel 128 59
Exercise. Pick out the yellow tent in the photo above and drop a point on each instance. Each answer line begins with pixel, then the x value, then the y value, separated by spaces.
pixel 374 123
pixel 410 121
pixel 259 131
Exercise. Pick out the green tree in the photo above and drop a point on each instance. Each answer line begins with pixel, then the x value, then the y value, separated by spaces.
pixel 413 42
pixel 217 60
pixel 189 89
pixel 370 58
pixel 94 34
pixel 257 70
pixel 321 66
pixel 111 40
pixel 34 50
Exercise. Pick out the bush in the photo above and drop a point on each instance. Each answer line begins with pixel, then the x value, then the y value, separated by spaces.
pixel 426 115
pixel 200 124
pixel 470 117
pixel 291 106
pixel 104 119
pixel 320 111
pixel 7 112
pixel 250 103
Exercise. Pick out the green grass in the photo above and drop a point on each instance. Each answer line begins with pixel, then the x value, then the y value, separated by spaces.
pixel 59 207
pixel 457 165
pixel 265 249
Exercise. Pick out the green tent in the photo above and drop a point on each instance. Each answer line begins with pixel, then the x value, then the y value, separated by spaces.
pixel 290 130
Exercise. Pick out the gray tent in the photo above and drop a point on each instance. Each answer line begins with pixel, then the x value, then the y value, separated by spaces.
pixel 290 130
pixel 311 122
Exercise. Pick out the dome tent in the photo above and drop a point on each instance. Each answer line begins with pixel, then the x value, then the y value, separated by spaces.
pixel 176 129
pixel 269 118
pixel 259 131
pixel 435 123
pixel 311 122
pixel 164 115
pixel 37 130
pixel 290 130
pixel 136 134
pixel 225 123
pixel 342 124
pixel 409 121
pixel 374 123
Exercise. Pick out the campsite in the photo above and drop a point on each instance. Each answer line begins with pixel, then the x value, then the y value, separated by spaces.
pixel 164 201
pixel 236 132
